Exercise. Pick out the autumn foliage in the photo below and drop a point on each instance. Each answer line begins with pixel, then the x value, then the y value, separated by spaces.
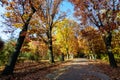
pixel 45 32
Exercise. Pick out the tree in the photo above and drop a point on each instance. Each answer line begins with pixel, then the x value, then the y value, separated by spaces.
pixel 93 36
pixel 1 45
pixel 47 17
pixel 40 26
pixel 19 15
pixel 103 15
pixel 83 45
pixel 65 37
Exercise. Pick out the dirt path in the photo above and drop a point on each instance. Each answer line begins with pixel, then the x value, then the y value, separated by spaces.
pixel 78 69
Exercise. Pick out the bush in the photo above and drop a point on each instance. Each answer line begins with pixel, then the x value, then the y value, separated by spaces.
pixel 28 56
pixel 117 57
pixel 6 52
pixel 102 56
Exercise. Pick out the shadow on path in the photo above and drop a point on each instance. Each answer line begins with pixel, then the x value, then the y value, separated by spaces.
pixel 78 69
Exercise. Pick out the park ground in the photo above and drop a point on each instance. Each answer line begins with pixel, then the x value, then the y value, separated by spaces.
pixel 75 69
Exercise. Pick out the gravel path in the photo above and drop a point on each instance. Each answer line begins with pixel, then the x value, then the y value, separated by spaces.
pixel 78 69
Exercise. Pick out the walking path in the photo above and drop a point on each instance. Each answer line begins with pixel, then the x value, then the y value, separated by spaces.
pixel 78 69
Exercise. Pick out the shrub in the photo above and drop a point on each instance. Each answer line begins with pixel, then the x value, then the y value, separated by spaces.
pixel 6 52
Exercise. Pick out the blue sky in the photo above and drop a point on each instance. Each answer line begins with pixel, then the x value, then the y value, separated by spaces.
pixel 3 35
pixel 68 8
pixel 65 6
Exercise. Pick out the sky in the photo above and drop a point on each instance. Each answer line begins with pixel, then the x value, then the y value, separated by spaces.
pixel 68 8
pixel 3 35
pixel 65 7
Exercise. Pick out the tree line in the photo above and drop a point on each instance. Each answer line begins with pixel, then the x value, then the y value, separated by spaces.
pixel 46 30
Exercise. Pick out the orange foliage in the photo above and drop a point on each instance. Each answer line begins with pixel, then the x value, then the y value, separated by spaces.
pixel 101 13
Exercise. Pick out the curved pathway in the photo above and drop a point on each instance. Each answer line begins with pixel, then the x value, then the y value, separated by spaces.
pixel 78 69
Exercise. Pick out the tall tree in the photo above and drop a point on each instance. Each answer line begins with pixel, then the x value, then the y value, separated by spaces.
pixel 16 15
pixel 24 13
pixel 93 36
pixel 65 37
pixel 47 17
pixel 103 14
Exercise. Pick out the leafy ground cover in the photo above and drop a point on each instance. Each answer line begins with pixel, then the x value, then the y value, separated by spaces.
pixel 113 73
pixel 33 70
pixel 38 71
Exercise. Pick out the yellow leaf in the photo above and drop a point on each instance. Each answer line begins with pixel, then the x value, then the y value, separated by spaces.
pixel 118 15
pixel 7 14
pixel 18 25
pixel 33 22
pixel 25 16
pixel 8 8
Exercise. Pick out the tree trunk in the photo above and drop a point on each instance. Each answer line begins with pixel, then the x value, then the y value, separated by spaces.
pixel 50 51
pixel 68 56
pixel 108 40
pixel 50 47
pixel 62 57
pixel 11 64
pixel 13 58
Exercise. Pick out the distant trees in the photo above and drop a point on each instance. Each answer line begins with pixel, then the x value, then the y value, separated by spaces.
pixel 91 42
pixel 102 14
pixel 92 37
pixel 65 37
